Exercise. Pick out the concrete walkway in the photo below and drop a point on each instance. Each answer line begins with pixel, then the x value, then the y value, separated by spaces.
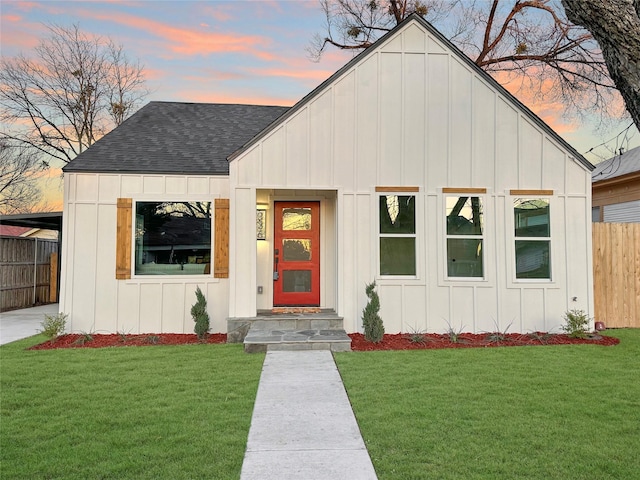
pixel 303 426
pixel 19 324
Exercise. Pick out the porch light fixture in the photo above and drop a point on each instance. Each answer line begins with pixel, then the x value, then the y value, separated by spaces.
pixel 261 223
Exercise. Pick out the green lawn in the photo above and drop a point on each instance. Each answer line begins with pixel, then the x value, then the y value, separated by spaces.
pixel 548 412
pixel 173 412
pixel 563 412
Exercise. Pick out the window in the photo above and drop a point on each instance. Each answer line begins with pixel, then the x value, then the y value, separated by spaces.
pixel 397 234
pixel 172 238
pixel 532 238
pixel 464 236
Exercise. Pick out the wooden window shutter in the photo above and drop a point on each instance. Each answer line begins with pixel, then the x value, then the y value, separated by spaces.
pixel 123 239
pixel 221 247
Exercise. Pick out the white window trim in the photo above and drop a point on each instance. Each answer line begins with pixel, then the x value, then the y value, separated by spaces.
pixel 511 238
pixel 480 193
pixel 406 192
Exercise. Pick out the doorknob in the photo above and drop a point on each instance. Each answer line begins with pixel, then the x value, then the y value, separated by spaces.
pixel 276 275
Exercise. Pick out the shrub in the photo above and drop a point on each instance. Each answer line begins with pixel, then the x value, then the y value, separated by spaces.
pixel 416 336
pixel 576 323
pixel 453 334
pixel 53 325
pixel 200 315
pixel 371 321
pixel 85 337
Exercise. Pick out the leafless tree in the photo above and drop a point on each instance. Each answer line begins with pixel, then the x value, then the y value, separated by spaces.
pixel 526 41
pixel 615 24
pixel 73 90
pixel 19 168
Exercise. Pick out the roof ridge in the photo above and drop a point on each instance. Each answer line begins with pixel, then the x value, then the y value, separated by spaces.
pixel 176 102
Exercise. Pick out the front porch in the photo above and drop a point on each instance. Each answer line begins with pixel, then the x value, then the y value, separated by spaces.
pixel 290 329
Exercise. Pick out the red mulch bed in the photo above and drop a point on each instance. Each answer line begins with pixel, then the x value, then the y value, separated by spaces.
pixel 400 341
pixel 74 340
pixel 404 341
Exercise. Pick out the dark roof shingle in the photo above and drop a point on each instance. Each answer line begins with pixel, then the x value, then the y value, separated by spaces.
pixel 172 137
pixel 628 162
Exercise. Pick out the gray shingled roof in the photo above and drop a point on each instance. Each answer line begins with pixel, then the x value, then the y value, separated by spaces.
pixel 172 137
pixel 617 166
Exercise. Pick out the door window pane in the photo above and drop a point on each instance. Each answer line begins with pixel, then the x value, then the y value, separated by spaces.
pixel 296 280
pixel 397 256
pixel 296 250
pixel 296 219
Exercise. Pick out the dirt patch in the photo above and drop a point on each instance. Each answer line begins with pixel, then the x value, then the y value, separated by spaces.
pixel 404 341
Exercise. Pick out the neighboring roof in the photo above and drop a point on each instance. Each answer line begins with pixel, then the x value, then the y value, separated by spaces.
pixel 431 29
pixel 48 220
pixel 628 162
pixel 13 231
pixel 174 137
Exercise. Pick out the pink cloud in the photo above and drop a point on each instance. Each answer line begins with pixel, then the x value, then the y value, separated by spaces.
pixel 210 75
pixel 297 73
pixel 11 18
pixel 154 73
pixel 222 97
pixel 549 111
pixel 218 13
pixel 188 42
pixel 25 6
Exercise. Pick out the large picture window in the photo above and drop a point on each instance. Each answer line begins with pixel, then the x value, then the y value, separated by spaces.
pixel 464 236
pixel 532 238
pixel 172 238
pixel 397 234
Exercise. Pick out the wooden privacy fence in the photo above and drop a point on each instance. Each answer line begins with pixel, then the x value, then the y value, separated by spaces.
pixel 616 274
pixel 28 272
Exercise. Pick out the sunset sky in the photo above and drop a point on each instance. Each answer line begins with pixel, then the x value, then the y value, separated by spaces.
pixel 221 51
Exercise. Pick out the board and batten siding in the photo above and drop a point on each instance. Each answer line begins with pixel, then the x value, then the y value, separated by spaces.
pixel 411 113
pixel 91 294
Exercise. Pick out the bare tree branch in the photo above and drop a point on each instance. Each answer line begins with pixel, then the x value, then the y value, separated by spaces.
pixel 561 61
pixel 69 93
pixel 19 168
pixel 615 24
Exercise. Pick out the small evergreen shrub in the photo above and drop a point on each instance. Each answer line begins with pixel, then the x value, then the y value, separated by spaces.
pixel 200 315
pixel 53 325
pixel 576 323
pixel 371 321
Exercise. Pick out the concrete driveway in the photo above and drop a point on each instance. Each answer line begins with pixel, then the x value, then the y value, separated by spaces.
pixel 19 324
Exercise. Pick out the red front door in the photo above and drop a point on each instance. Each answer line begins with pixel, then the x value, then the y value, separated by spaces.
pixel 296 254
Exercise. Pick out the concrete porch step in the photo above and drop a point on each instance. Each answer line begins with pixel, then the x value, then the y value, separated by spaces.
pixel 268 340
pixel 266 321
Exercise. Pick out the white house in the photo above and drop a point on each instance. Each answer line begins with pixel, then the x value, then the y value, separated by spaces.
pixel 409 166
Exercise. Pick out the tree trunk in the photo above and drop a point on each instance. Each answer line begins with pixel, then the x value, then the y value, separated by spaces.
pixel 615 24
